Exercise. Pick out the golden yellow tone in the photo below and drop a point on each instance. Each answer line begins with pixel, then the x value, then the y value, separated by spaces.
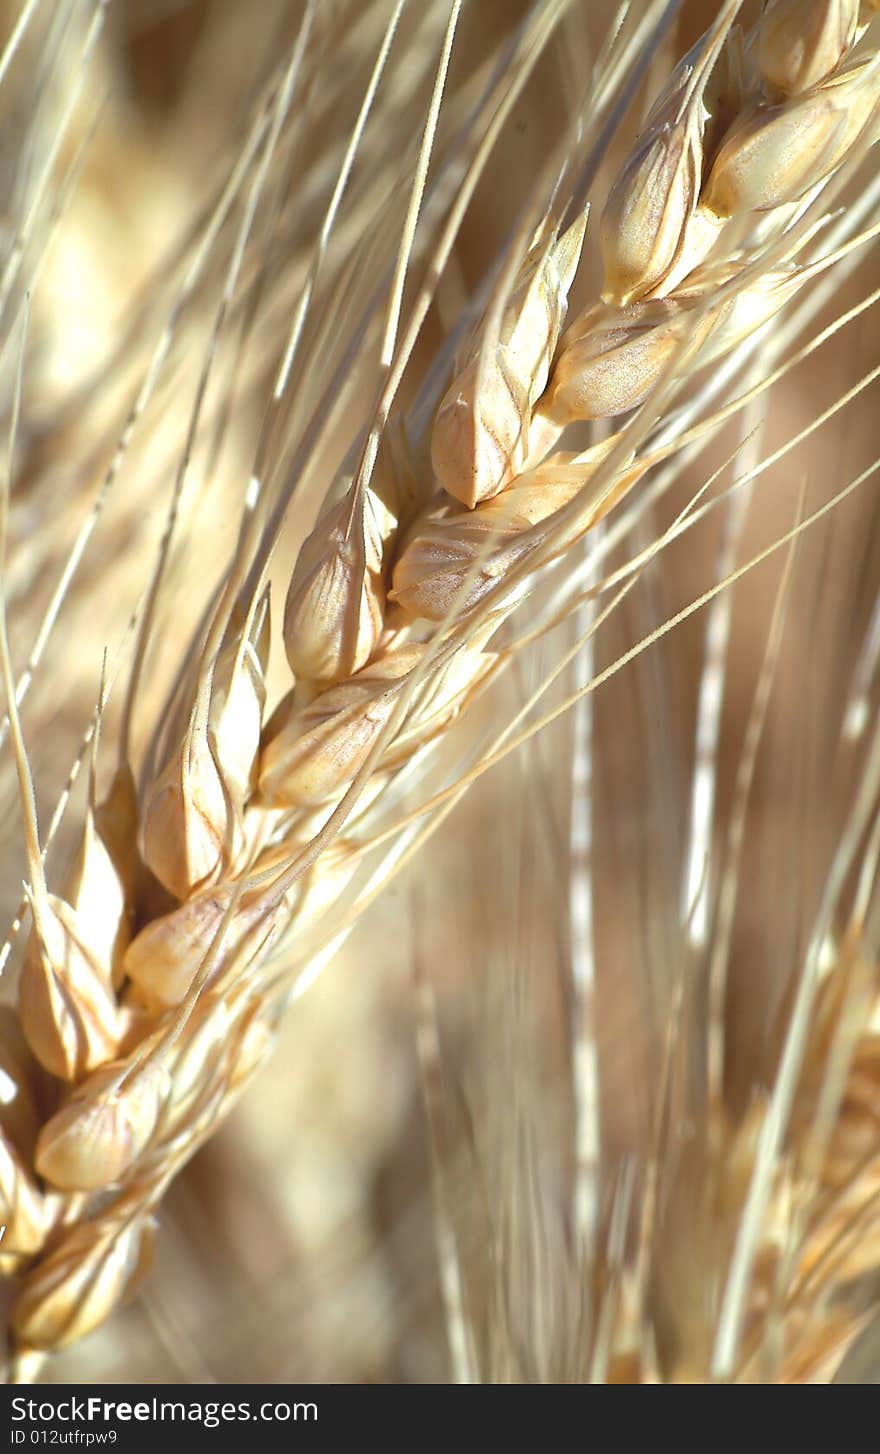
pixel 68 1011
pixel 776 153
pixel 539 831
pixel 104 1127
pixel 82 1280
pixel 480 439
pixel 334 613
pixel 800 42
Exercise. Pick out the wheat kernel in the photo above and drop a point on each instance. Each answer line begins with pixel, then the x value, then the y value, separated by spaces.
pixel 74 1289
pixel 800 42
pixel 431 575
pixel 480 443
pixel 67 1008
pixel 102 1130
pixel 163 959
pixel 611 358
pixel 645 220
pixel 334 614
pixel 192 811
pixel 444 548
pixel 100 889
pixel 775 154
pixel 310 753
pixel 185 831
pixel 447 548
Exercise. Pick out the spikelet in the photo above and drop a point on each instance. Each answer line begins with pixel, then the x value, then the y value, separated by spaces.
pixel 452 559
pixel 800 42
pixel 479 444
pixel 102 1130
pixel 22 1207
pixel 68 1010
pixel 776 153
pixel 611 358
pixel 311 753
pixel 164 958
pixel 191 815
pixel 100 889
pixel 66 999
pixel 644 224
pixel 71 1292
pixel 67 1006
pixel 646 237
pixel 238 697
pixel 445 548
pixel 335 608
pixel 186 818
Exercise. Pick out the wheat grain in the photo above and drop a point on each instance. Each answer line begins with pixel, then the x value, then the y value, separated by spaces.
pixel 648 237
pixel 800 45
pixel 74 1288
pixel 776 154
pixel 68 1012
pixel 480 439
pixel 105 1126
pixel 452 559
pixel 335 609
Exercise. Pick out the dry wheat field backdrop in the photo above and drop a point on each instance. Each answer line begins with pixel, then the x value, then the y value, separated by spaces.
pixel 440 638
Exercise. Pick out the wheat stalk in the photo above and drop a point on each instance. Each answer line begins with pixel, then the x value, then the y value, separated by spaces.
pixel 151 986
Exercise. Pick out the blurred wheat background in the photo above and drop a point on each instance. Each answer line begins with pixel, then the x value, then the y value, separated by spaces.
pixel 302 1243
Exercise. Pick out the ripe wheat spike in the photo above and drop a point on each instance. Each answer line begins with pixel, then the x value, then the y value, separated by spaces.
pixel 473 492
